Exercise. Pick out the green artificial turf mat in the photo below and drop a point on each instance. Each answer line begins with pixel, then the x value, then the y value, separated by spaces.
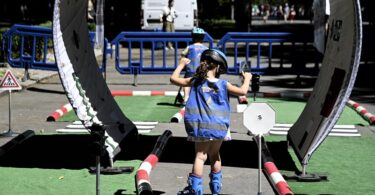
pixel 288 110
pixel 161 109
pixel 141 108
pixel 25 181
pixel 347 161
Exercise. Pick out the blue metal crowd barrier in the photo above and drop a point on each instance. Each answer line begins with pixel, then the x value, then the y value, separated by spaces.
pixel 242 46
pixel 153 56
pixel 31 47
pixel 27 47
pixel 146 54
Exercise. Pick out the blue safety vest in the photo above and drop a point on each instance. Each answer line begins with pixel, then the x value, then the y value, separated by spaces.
pixel 194 54
pixel 207 111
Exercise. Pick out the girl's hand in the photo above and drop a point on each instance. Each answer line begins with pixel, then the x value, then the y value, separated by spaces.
pixel 247 75
pixel 184 61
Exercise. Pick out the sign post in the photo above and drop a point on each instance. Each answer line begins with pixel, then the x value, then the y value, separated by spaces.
pixel 9 82
pixel 259 118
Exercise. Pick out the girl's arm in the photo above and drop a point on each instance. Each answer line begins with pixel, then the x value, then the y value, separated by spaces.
pixel 234 90
pixel 175 78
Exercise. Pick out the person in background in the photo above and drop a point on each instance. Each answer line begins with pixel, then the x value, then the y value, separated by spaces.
pixel 167 18
pixel 193 53
pixel 280 13
pixel 292 14
pixel 207 115
pixel 266 12
pixel 286 12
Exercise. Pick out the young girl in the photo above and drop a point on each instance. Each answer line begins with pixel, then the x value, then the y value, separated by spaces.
pixel 207 115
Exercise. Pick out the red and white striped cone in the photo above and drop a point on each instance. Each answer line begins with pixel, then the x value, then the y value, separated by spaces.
pixel 60 112
pixel 362 111
pixel 143 93
pixel 277 179
pixel 143 173
pixel 176 118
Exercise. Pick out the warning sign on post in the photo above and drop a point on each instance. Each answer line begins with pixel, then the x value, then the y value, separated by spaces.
pixel 9 82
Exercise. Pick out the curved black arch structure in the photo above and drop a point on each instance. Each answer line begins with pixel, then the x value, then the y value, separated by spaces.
pixel 335 81
pixel 84 85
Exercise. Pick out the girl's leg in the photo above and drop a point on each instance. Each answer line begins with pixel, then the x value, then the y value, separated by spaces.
pixel 195 177
pixel 201 149
pixel 214 155
pixel 215 175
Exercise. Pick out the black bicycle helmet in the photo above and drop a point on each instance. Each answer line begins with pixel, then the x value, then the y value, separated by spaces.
pixel 217 57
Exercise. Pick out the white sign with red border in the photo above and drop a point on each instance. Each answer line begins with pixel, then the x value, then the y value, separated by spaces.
pixel 9 82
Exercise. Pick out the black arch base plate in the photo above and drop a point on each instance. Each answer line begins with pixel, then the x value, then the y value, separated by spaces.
pixel 112 170
pixel 312 177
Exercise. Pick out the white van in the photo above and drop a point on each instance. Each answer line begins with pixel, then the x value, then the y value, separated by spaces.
pixel 187 11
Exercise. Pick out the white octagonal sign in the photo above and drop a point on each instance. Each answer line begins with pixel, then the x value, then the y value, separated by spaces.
pixel 259 118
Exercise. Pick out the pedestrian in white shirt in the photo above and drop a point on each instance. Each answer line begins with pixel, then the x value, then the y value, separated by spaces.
pixel 167 18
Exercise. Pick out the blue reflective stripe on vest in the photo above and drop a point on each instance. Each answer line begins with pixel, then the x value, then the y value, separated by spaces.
pixel 217 113
pixel 202 125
